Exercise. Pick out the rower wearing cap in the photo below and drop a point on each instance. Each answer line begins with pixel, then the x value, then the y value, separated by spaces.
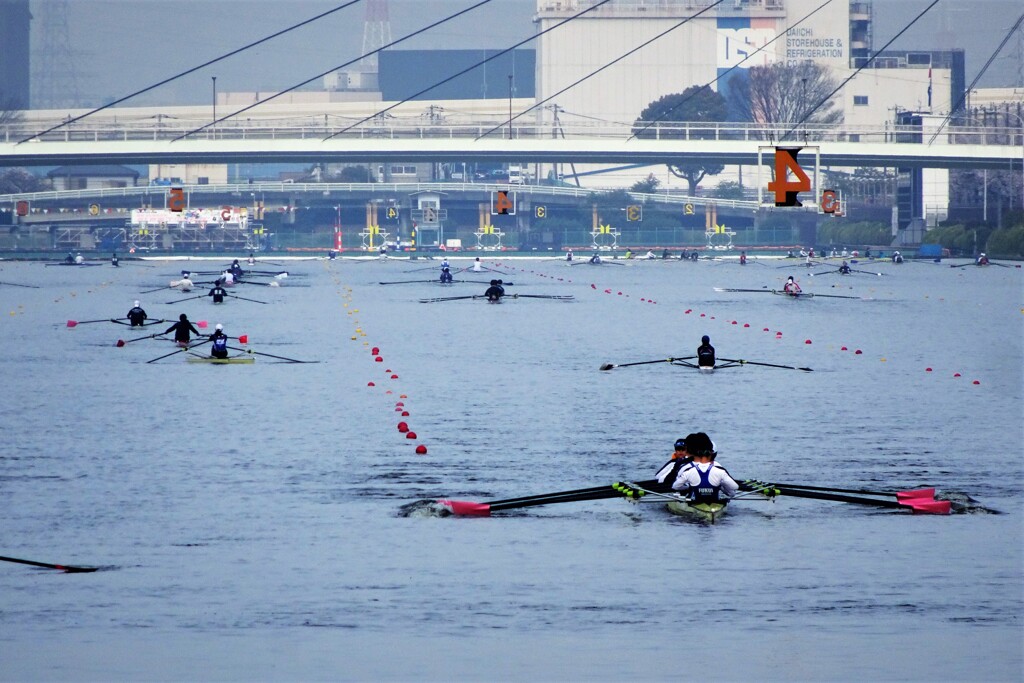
pixel 444 263
pixel 897 257
pixel 705 353
pixel 982 260
pixel 136 316
pixel 844 269
pixel 219 348
pixel 791 286
pixel 666 476
pixel 568 255
pixel 181 330
pixel 596 258
pixel 446 275
pixel 704 480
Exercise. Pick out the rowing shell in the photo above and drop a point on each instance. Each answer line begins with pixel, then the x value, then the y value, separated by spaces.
pixel 706 369
pixel 705 512
pixel 793 295
pixel 234 360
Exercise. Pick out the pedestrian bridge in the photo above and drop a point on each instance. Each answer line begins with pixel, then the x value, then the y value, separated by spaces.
pixel 260 141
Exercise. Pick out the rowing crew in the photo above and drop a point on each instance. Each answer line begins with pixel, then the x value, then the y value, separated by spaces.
pixel 182 328
pixel 694 473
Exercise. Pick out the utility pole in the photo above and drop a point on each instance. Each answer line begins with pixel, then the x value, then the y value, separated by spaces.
pixel 214 104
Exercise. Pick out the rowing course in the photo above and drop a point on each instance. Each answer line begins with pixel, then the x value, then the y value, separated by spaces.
pixel 276 532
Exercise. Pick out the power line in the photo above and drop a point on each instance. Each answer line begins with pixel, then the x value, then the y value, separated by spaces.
pixel 858 70
pixel 340 66
pixel 470 68
pixel 608 65
pixel 727 72
pixel 194 69
pixel 977 78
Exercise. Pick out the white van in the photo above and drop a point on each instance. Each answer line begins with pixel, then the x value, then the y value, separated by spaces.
pixel 515 175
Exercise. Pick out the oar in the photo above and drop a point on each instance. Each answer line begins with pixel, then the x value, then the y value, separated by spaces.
pixel 62 567
pixel 486 282
pixel 928 493
pixel 270 355
pixel 150 291
pixel 74 323
pixel 448 298
pixel 922 505
pixel 611 366
pixel 407 282
pixel 837 296
pixel 617 490
pixel 730 289
pixel 122 342
pixel 235 296
pixel 189 298
pixel 740 361
pixel 183 348
pixel 560 297
pixel 15 284
pixel 962 265
pixel 866 272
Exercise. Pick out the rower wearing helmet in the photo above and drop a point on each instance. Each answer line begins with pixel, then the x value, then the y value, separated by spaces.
pixel 666 476
pixel 136 316
pixel 219 349
pixel 704 480
pixel 705 353
pixel 181 330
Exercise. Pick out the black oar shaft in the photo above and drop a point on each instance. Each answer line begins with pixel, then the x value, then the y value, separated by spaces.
pixel 835 497
pixel 62 567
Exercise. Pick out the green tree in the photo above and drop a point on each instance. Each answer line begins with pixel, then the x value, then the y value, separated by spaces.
pixel 661 119
pixel 355 174
pixel 648 185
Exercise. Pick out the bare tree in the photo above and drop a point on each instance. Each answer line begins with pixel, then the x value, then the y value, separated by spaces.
pixel 784 93
pixel 10 112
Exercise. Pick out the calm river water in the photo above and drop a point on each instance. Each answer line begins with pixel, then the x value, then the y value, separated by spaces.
pixel 249 520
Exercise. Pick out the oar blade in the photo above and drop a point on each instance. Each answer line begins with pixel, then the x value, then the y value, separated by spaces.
pixel 467 508
pixel 72 323
pixel 607 366
pixel 120 343
pixel 915 494
pixel 928 507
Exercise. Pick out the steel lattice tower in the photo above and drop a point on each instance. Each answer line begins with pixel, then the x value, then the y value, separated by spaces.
pixel 53 72
pixel 376 30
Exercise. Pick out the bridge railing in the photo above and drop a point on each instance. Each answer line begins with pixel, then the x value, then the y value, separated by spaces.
pixel 772 134
pixel 246 192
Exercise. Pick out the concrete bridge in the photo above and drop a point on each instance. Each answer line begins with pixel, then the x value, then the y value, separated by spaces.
pixel 723 143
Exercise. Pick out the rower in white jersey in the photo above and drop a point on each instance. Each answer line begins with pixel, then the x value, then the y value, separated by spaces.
pixel 477 266
pixel 704 480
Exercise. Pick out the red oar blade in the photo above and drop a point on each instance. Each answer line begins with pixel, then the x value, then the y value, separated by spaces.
pixel 928 507
pixel 917 493
pixel 72 323
pixel 465 507
pixel 244 339
pixel 120 343
pixel 202 324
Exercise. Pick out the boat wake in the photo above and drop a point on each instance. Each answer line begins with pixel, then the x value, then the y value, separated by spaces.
pixel 963 504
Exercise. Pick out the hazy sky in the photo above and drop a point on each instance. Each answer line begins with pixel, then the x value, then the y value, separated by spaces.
pixel 123 45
